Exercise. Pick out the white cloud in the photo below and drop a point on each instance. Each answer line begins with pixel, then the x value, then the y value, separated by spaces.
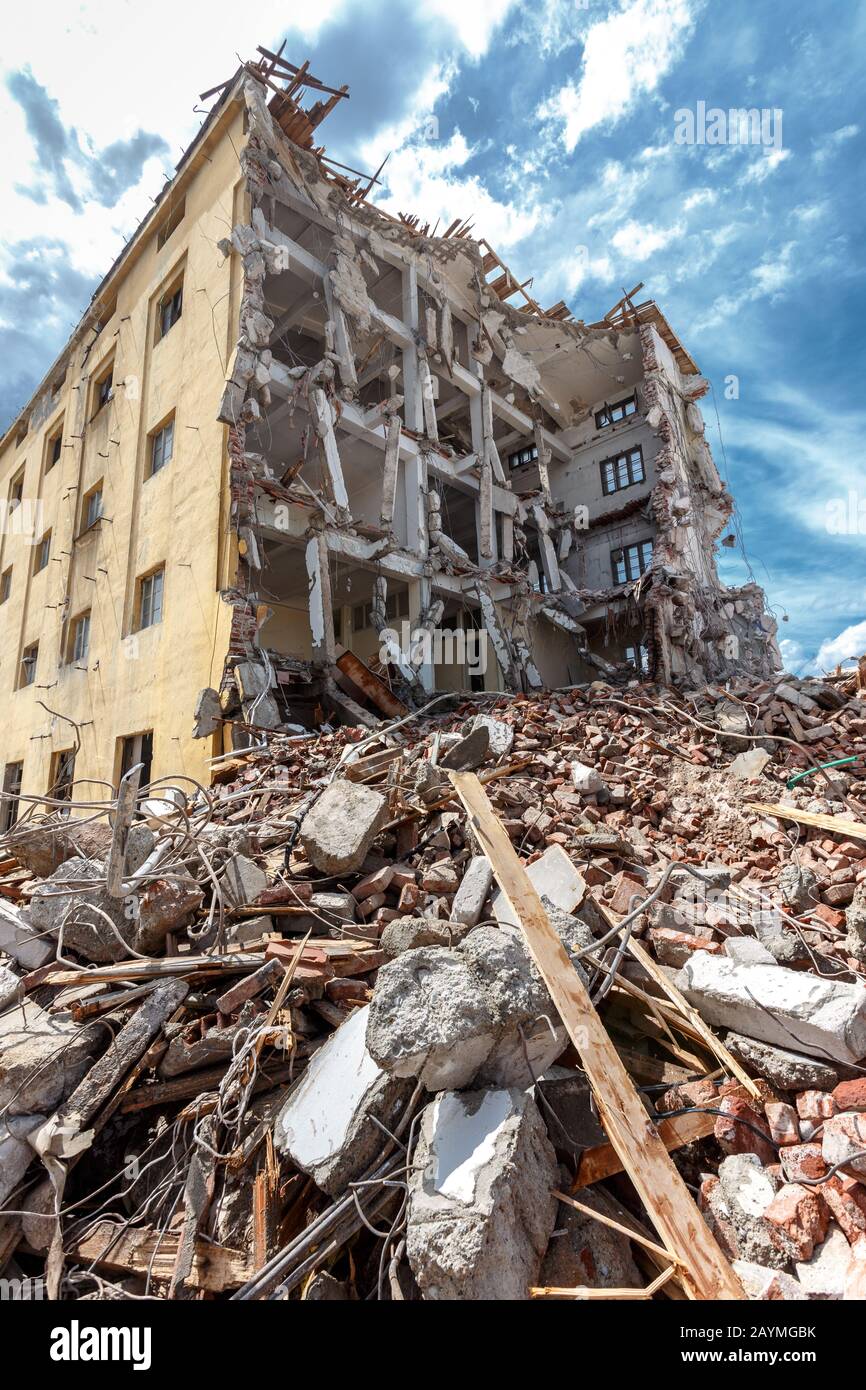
pixel 625 56
pixel 700 198
pixel 827 145
pixel 637 241
pixel 769 279
pixel 849 645
pixel 473 22
pixel 763 166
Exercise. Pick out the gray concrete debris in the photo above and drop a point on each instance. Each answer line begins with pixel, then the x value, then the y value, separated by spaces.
pixel 500 734
pixel 565 1100
pixel 823 1276
pixel 797 886
pixel 342 825
pixel 783 944
pixel 855 921
pixel 248 929
pixel 779 1006
pixel 43 1056
pixel 480 1206
pixel 747 950
pixel 470 752
pixel 242 881
pixel 844 1141
pixel 746 767
pixel 584 1253
pixel 16 1154
pixel 21 940
pixel 553 876
pixel 789 1071
pixel 42 845
pixel 408 933
pixel 10 984
pixel 472 893
pixel 328 1124
pixel 768 1285
pixel 208 714
pixel 744 1192
pixel 585 779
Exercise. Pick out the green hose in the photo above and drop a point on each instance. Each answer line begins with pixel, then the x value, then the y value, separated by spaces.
pixel 798 777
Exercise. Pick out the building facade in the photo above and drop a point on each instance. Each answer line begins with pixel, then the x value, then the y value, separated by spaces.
pixel 303 459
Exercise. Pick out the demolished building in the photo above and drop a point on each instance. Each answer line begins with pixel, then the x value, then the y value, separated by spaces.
pixel 306 459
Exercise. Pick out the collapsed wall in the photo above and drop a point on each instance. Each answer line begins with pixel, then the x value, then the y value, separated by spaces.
pixel 400 432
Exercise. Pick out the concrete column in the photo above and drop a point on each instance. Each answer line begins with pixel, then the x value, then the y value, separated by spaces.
pixel 413 406
pixel 320 605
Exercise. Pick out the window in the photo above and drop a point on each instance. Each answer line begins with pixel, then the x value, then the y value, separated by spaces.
pixel 11 791
pixel 23 430
pixel 638 657
pixel 28 664
pixel 102 313
pixel 43 553
pixel 5 584
pixel 396 606
pixel 58 384
pixel 137 748
pixel 103 390
pixel 170 309
pixel 523 456
pixel 171 223
pixel 612 414
pixel 622 471
pixel 16 491
pixel 161 446
pixel 81 637
pixel 62 775
pixel 150 599
pixel 92 509
pixel 630 561
pixel 54 448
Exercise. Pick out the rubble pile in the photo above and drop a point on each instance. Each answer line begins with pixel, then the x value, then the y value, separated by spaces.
pixel 293 1036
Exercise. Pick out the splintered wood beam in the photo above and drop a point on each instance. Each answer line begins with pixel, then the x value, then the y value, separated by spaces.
pixel 705 1272
pixel 603 1161
pixel 838 825
pixel 142 1250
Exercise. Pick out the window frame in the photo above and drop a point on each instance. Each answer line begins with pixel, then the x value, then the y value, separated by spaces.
pixel 62 764
pixel 517 459
pixel 146 597
pixel 27 675
pixel 103 389
pixel 80 623
pixel 13 775
pixel 169 309
pixel 54 447
pixel 6 583
pixel 614 461
pixel 643 561
pixel 604 418
pixel 88 522
pixel 154 436
pixel 42 554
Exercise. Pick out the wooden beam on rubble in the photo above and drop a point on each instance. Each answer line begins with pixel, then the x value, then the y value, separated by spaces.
pixel 705 1272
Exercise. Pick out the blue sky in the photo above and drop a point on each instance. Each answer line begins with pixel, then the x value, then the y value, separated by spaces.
pixel 552 126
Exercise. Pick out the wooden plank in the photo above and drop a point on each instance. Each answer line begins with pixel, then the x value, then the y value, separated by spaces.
pixel 837 825
pixel 684 1233
pixel 136 1250
pixel 604 1161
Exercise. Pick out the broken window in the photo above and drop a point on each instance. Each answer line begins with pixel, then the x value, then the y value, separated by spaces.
pixel 523 457
pixel 629 562
pixel 28 664
pixel 137 748
pixel 16 491
pixel 80 638
pixel 92 508
pixel 11 791
pixel 170 309
pixel 161 446
pixel 103 389
pixel 43 553
pixel 171 223
pixel 62 775
pixel 150 599
pixel 622 471
pixel 612 414
pixel 54 448
pixel 5 584
pixel 396 606
pixel 638 657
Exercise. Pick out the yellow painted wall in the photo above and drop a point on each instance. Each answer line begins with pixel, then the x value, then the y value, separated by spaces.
pixel 148 679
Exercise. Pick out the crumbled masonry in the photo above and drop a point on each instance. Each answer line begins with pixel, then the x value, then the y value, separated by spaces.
pixel 540 981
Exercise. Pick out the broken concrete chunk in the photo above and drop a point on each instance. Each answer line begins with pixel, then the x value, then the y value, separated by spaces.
pixel 823 1275
pixel 43 1057
pixel 10 984
pixel 767 1285
pixel 242 881
pixel 552 876
pixel 408 933
pixel 746 950
pixel 789 1071
pixel 749 765
pixel 16 1154
pixel 78 912
pixel 208 714
pixel 500 734
pixel 566 1104
pixel 469 752
pixel 342 825
pixel 471 896
pixel 480 1205
pixel 779 1006
pixel 429 1018
pixel 797 887
pixel 587 780
pixel 21 940
pixel 844 1141
pixel 327 1126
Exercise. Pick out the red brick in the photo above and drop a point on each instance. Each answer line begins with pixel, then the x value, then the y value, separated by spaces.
pixel 801 1215
pixel 782 1120
pixel 802 1161
pixel 815 1106
pixel 846 1199
pixel 736 1137
pixel 626 887
pixel 829 916
pixel 851 1095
